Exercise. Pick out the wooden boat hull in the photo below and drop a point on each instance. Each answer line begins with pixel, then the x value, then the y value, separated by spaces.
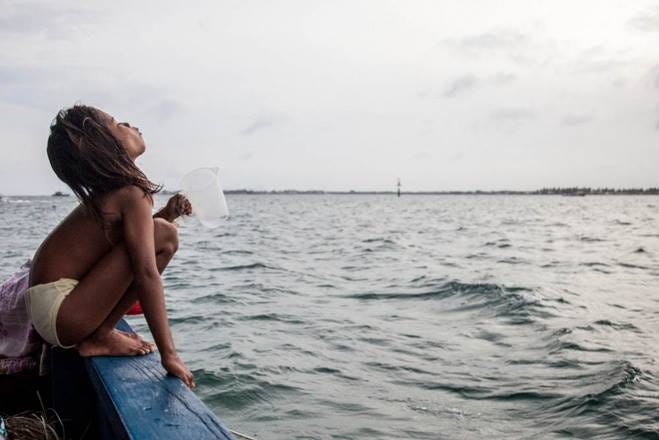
pixel 132 397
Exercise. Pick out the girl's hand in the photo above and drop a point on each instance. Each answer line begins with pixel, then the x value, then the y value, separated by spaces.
pixel 177 206
pixel 175 366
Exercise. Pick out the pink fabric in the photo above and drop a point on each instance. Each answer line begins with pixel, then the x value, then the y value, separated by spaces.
pixel 20 344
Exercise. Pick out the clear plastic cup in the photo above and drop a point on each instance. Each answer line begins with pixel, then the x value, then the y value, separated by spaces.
pixel 203 190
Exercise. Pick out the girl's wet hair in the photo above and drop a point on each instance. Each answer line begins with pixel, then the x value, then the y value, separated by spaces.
pixel 89 159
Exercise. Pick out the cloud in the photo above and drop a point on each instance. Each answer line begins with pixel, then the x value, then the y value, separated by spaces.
pixel 493 40
pixel 30 87
pixel 422 155
pixel 254 76
pixel 456 156
pixel 512 114
pixel 652 76
pixel 166 109
pixel 52 88
pixel 645 22
pixel 55 21
pixel 585 65
pixel 502 79
pixel 259 123
pixel 509 43
pixel 468 82
pixel 571 120
pixel 600 59
pixel 459 85
pixel 12 75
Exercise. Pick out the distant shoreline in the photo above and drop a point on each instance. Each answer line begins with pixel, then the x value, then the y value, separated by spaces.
pixel 574 192
pixel 545 191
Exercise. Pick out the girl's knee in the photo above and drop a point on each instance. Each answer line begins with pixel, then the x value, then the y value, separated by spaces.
pixel 165 236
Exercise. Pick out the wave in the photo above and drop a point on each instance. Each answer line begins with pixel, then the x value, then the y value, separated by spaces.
pixel 378 244
pixel 632 266
pixel 617 325
pixel 445 290
pixel 213 298
pixel 501 244
pixel 483 392
pixel 512 260
pixel 378 240
pixel 237 252
pixel 609 403
pixel 560 346
pixel 591 239
pixel 599 390
pixel 517 304
pixel 244 267
pixel 234 390
pixel 272 317
pixel 622 222
pixel 593 264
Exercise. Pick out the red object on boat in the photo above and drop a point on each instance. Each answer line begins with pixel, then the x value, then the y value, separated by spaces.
pixel 135 309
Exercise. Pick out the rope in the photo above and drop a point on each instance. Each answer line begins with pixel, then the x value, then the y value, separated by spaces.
pixel 241 435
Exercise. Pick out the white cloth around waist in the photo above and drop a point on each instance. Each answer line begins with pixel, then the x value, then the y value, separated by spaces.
pixel 43 302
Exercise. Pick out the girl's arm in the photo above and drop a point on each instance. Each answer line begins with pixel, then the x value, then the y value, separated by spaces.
pixel 139 240
pixel 177 206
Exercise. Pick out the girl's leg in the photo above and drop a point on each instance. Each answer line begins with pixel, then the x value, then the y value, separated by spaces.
pixel 90 346
pixel 101 290
pixel 95 344
pixel 168 233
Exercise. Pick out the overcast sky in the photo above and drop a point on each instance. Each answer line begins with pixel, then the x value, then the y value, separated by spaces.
pixel 344 95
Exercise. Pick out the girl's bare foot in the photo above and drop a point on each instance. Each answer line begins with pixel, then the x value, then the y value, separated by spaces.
pixel 115 343
pixel 134 335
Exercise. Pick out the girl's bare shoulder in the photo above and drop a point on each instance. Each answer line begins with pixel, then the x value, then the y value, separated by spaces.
pixel 126 196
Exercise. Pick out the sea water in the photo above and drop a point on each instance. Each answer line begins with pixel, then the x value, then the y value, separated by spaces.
pixel 425 317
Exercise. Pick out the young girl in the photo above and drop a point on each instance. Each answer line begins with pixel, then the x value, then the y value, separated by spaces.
pixel 109 251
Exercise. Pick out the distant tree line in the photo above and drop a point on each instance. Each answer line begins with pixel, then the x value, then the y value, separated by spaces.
pixel 596 191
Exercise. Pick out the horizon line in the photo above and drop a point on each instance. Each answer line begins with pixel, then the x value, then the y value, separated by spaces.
pixel 541 191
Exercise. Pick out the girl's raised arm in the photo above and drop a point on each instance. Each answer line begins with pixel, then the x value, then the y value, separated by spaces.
pixel 139 240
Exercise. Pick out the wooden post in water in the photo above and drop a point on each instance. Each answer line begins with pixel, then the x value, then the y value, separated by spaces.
pixel 398 192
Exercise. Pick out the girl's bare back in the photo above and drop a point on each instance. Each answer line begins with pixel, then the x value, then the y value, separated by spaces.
pixel 76 244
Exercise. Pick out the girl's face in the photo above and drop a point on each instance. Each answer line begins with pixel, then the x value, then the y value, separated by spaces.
pixel 129 136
